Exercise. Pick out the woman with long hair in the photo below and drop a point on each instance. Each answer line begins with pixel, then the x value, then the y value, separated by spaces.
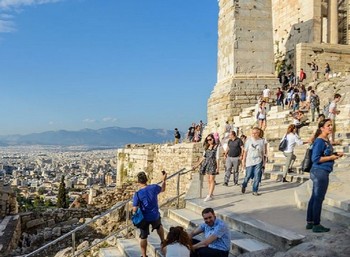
pixel 209 163
pixel 177 243
pixel 322 159
pixel 292 140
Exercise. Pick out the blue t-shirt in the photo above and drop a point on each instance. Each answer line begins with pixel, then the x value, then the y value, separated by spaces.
pixel 149 201
pixel 221 231
pixel 321 148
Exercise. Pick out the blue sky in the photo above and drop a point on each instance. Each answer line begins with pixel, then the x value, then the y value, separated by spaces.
pixel 74 64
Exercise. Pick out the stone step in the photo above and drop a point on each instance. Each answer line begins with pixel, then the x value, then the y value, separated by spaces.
pixel 111 252
pixel 130 247
pixel 278 237
pixel 292 177
pixel 240 243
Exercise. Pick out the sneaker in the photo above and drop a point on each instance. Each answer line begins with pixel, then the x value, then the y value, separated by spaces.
pixel 225 184
pixel 208 198
pixel 256 193
pixel 243 190
pixel 309 226
pixel 319 229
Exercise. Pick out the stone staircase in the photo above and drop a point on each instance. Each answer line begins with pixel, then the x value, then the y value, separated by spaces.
pixel 247 234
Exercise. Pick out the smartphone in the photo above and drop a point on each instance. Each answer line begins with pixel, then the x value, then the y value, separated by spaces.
pixel 163 172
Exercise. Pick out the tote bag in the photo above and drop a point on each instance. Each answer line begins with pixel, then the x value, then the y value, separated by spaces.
pixel 283 144
pixel 307 163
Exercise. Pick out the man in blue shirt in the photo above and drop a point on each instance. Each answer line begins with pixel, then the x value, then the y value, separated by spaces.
pixel 217 240
pixel 147 199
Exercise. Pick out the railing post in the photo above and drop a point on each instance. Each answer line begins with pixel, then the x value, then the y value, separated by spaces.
pixel 73 244
pixel 127 210
pixel 200 185
pixel 178 191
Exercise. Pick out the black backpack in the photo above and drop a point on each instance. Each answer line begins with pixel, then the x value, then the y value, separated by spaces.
pixel 297 98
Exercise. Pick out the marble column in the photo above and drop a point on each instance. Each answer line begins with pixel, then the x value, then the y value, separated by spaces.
pixel 332 21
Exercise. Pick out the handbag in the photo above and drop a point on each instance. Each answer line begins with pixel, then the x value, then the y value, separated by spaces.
pixel 137 217
pixel 283 144
pixel 306 164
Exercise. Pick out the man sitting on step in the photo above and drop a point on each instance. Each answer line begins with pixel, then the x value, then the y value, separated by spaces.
pixel 217 240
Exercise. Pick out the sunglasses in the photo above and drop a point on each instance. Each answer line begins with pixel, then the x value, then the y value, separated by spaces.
pixel 209 139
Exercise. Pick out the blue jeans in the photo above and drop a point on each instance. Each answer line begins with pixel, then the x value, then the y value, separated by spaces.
pixel 320 179
pixel 253 172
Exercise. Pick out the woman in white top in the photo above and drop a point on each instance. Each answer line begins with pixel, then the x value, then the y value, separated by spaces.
pixel 292 140
pixel 177 243
pixel 262 115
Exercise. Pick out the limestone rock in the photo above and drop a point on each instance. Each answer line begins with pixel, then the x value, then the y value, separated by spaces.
pixel 64 253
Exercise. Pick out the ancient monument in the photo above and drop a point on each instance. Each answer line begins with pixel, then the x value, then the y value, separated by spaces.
pixel 256 38
pixel 245 59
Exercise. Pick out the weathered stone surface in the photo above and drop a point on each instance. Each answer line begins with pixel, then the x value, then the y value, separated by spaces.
pixel 34 223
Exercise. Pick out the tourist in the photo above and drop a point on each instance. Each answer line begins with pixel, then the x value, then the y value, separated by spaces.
pixel 322 159
pixel 253 160
pixel 146 198
pixel 303 94
pixel 266 94
pixel 327 70
pixel 296 100
pixel 217 237
pixel 332 113
pixel 314 104
pixel 233 157
pixel 209 164
pixel 292 140
pixel 177 243
pixel 290 93
pixel 190 132
pixel 177 136
pixel 299 120
pixel 314 70
pixel 228 128
pixel 279 97
pixel 261 115
pixel 302 75
pixel 197 134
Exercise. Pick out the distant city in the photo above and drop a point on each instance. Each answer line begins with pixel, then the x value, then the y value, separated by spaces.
pixel 36 171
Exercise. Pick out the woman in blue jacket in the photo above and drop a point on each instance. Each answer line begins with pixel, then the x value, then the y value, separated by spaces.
pixel 322 164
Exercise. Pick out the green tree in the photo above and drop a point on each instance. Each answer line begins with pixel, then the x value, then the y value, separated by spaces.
pixel 41 191
pixel 62 195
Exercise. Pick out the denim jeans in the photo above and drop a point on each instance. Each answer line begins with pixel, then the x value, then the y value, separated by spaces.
pixel 320 179
pixel 253 171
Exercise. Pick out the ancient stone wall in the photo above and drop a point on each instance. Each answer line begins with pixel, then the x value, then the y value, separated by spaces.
pixel 155 158
pixel 295 21
pixel 8 202
pixel 338 57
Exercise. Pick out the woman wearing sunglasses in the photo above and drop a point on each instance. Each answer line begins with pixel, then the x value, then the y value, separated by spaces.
pixel 209 164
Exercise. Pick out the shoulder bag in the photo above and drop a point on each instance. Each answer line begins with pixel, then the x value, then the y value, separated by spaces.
pixel 138 217
pixel 283 144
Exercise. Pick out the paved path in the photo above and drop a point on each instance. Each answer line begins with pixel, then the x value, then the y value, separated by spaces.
pixel 276 204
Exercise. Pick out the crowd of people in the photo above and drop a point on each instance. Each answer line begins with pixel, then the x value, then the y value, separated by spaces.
pixel 239 153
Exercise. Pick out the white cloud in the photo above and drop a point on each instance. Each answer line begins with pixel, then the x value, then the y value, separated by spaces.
pixel 109 119
pixel 51 123
pixel 7 26
pixel 89 121
pixel 6 23
pixel 9 4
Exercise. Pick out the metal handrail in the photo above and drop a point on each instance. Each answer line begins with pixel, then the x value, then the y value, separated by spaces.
pixel 126 227
pixel 117 206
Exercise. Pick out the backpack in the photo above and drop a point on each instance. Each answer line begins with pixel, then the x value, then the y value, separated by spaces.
pixel 306 164
pixel 297 98
pixel 326 110
pixel 177 135
pixel 304 75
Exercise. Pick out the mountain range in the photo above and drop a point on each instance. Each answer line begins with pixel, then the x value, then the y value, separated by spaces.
pixel 104 137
